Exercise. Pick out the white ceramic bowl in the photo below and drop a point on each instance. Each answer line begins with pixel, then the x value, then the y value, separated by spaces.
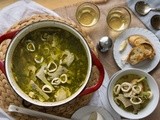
pixel 151 105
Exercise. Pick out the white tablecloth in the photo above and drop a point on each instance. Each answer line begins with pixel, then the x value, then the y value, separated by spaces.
pixel 19 11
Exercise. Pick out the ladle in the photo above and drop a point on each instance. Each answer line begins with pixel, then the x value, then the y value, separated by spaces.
pixel 143 8
pixel 155 22
pixel 105 43
pixel 13 108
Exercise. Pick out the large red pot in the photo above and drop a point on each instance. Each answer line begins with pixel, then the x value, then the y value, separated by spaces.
pixel 16 36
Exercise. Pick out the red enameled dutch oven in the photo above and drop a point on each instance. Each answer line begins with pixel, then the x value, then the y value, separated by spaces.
pixel 16 36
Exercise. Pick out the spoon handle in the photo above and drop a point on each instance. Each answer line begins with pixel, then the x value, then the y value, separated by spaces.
pixel 13 108
pixel 156 9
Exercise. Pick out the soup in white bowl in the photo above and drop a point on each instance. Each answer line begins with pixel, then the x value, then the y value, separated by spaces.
pixel 133 93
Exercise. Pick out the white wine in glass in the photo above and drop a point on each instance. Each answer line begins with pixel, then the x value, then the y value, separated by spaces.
pixel 118 18
pixel 87 14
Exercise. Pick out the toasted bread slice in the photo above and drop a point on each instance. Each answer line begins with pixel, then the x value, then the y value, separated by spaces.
pixel 149 51
pixel 140 53
pixel 136 40
pixel 132 38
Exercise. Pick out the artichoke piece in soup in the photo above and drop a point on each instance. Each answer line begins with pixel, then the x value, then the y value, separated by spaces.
pixel 132 93
pixel 52 64
pixel 41 95
pixel 62 93
pixel 67 58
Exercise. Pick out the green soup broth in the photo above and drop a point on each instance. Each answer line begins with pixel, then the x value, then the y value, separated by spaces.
pixel 53 57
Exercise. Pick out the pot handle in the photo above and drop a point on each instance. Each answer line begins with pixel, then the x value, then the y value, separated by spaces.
pixel 4 37
pixel 2 67
pixel 100 67
pixel 8 35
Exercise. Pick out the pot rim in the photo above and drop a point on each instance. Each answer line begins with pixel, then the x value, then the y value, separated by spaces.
pixel 17 39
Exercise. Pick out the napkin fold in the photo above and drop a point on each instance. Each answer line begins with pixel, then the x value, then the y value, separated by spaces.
pixel 146 19
pixel 5 116
pixel 100 98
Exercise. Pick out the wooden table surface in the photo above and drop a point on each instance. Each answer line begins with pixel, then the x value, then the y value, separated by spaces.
pixel 96 32
pixel 51 4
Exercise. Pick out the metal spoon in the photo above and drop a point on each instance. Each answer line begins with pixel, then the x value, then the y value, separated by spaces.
pixel 155 22
pixel 105 43
pixel 143 8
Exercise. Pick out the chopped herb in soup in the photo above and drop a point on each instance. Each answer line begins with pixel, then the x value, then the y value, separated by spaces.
pixel 132 93
pixel 49 64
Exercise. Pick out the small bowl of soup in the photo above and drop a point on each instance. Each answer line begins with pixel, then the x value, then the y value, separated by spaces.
pixel 133 93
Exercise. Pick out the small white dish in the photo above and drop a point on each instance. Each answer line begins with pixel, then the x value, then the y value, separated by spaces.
pixel 95 116
pixel 147 65
pixel 151 106
pixel 85 112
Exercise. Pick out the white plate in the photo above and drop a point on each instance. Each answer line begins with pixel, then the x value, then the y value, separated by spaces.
pixel 147 65
pixel 84 113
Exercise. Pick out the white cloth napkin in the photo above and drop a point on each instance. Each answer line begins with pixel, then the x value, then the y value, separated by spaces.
pixel 100 98
pixel 19 11
pixel 146 19
pixel 5 116
pixel 26 8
